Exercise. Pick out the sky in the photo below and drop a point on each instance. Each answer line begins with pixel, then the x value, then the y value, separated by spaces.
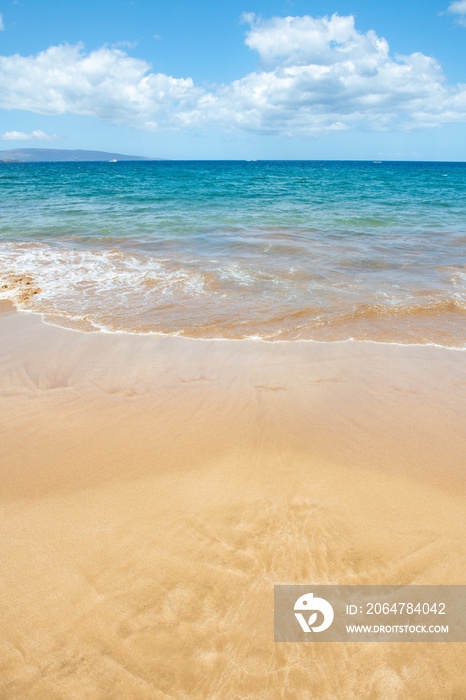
pixel 239 79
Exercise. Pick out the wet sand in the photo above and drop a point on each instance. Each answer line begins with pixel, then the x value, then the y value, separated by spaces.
pixel 154 489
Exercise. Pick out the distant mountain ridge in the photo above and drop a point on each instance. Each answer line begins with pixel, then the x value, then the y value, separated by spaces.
pixel 43 155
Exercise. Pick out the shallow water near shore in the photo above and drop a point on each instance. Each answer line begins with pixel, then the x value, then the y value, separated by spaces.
pixel 273 250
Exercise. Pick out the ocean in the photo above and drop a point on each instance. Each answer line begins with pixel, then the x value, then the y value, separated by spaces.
pixel 277 250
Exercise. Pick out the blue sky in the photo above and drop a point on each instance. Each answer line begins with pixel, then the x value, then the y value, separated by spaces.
pixel 348 79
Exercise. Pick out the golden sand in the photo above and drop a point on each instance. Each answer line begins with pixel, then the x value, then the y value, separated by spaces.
pixel 153 490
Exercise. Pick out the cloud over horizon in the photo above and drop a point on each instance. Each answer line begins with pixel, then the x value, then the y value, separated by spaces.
pixel 36 135
pixel 315 75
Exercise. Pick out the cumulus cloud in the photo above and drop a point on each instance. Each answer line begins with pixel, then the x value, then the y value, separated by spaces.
pixel 321 74
pixel 314 75
pixel 301 41
pixel 36 135
pixel 106 83
pixel 458 7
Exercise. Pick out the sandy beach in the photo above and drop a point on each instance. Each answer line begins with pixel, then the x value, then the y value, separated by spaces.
pixel 154 489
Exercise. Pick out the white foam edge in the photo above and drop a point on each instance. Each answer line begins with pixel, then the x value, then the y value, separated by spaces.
pixel 255 338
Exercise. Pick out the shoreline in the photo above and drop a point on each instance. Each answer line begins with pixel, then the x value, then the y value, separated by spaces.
pixel 155 488
pixel 7 306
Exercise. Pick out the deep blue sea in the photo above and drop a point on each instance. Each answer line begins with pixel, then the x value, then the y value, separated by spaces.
pixel 279 250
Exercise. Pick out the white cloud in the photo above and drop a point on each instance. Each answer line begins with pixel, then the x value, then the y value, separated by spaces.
pixel 2 26
pixel 300 41
pixel 458 7
pixel 36 135
pixel 125 44
pixel 107 84
pixel 315 75
pixel 320 75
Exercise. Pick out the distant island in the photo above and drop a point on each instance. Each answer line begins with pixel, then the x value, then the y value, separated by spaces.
pixel 42 155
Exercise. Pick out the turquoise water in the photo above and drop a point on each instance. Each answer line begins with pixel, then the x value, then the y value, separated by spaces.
pixel 270 249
